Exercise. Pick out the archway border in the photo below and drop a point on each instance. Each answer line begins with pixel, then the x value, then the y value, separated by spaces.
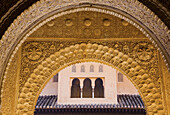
pixel 92 52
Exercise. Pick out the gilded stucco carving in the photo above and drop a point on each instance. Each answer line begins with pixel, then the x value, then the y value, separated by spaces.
pixel 34 52
pixel 87 24
pixel 167 82
pixel 142 13
pixel 168 86
pixel 144 52
pixel 59 53
pixel 10 88
pixel 137 59
pixel 47 48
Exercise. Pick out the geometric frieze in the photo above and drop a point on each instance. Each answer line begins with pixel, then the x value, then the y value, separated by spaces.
pixel 87 24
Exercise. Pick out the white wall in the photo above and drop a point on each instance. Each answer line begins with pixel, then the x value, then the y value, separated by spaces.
pixel 110 87
pixel 126 87
pixel 51 88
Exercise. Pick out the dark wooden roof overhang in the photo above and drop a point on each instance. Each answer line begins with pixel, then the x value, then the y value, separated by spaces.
pixel 126 103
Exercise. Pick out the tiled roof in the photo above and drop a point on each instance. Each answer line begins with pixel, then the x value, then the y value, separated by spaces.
pixel 130 101
pixel 124 102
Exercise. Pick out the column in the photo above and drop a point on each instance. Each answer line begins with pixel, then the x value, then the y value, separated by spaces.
pixel 92 91
pixel 93 85
pixel 81 87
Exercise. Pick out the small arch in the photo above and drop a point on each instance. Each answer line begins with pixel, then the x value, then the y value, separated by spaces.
pixel 74 68
pixel 100 68
pixel 99 88
pixel 91 68
pixel 87 88
pixel 75 88
pixel 83 68
pixel 120 77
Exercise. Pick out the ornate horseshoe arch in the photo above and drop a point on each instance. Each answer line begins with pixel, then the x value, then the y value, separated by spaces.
pixel 87 52
pixel 44 11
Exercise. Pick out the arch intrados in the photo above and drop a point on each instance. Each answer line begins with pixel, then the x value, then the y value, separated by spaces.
pixel 82 61
pixel 98 79
pixel 86 80
pixel 74 80
pixel 87 60
pixel 63 65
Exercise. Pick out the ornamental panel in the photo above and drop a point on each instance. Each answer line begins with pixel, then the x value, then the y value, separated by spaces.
pixel 79 51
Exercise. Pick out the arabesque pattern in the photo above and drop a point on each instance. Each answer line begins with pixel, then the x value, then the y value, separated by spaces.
pixel 138 49
pixel 89 52
pixel 132 7
pixel 12 39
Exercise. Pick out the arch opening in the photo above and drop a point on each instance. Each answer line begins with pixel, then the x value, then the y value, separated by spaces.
pixel 67 76
pixel 87 88
pixel 136 73
pixel 99 88
pixel 64 58
pixel 75 88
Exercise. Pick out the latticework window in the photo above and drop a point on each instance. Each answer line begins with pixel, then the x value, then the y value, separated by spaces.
pixel 120 77
pixel 100 68
pixel 82 68
pixel 92 68
pixel 74 68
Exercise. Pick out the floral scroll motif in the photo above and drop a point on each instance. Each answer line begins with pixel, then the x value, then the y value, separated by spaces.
pixel 77 52
pixel 144 53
